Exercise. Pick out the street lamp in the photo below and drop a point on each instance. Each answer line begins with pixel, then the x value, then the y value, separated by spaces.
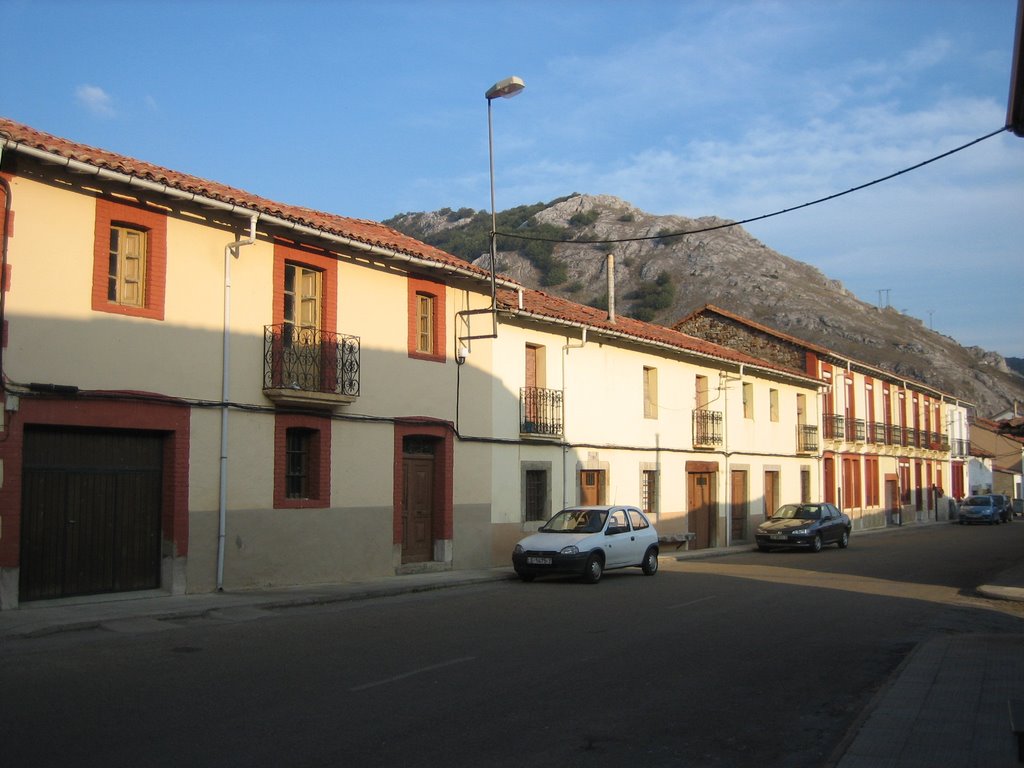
pixel 503 89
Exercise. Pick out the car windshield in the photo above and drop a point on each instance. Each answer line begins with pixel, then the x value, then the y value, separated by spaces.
pixel 798 511
pixel 576 520
pixel 977 501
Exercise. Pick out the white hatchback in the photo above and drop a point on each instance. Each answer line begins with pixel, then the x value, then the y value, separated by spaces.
pixel 588 541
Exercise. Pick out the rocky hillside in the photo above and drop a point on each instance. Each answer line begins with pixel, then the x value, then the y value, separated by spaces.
pixel 663 278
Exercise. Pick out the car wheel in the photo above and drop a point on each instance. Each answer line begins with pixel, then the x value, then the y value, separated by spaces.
pixel 816 544
pixel 650 564
pixel 593 570
pixel 844 540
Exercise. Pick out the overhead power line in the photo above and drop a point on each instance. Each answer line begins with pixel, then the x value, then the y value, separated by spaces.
pixel 666 235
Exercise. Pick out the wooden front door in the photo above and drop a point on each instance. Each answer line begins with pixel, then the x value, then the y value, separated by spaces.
pixel 418 509
pixel 591 487
pixel 738 505
pixel 771 492
pixel 90 514
pixel 701 511
pixel 892 499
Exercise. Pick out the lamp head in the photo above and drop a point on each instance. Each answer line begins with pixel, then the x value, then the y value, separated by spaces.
pixel 504 89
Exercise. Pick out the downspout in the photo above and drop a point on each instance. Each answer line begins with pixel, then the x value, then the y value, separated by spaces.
pixel 231 249
pixel 611 287
pixel 3 275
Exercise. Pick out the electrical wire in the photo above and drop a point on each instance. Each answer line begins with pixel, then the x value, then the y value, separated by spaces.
pixel 664 236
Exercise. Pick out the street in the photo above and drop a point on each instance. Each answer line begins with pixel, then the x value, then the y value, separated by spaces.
pixel 747 659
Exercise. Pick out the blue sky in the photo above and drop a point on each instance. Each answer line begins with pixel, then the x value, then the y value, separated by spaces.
pixel 732 109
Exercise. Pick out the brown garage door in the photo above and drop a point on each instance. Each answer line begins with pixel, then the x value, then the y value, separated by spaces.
pixel 90 516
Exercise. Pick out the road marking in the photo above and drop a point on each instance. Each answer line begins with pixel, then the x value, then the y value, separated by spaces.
pixel 419 671
pixel 692 602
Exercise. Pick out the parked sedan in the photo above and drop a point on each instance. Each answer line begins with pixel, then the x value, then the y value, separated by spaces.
pixel 980 509
pixel 1003 504
pixel 587 541
pixel 804 525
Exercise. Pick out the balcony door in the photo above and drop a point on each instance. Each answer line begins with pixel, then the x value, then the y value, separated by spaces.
pixel 303 300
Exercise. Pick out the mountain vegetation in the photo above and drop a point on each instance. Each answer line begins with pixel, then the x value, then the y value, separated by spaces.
pixel 661 275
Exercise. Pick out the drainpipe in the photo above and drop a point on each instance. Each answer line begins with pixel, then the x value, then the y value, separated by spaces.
pixel 230 250
pixel 611 287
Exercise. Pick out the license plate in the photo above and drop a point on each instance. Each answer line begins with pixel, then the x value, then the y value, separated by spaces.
pixel 538 561
pixel 777 536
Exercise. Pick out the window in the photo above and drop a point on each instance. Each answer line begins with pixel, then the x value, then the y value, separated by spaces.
pixel 701 384
pixel 126 276
pixel 426 320
pixel 535 494
pixel 424 323
pixel 649 491
pixel 650 393
pixel 298 446
pixel 302 461
pixel 637 520
pixel 748 400
pixel 773 404
pixel 129 260
pixel 805 485
pixel 303 296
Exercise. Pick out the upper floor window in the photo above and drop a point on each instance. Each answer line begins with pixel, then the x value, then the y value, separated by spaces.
pixel 426 319
pixel 650 393
pixel 748 400
pixel 126 278
pixel 773 404
pixel 303 296
pixel 129 260
pixel 424 323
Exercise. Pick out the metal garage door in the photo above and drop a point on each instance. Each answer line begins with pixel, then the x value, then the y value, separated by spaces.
pixel 90 516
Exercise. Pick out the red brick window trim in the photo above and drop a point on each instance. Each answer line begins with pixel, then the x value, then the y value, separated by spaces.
pixel 111 214
pixel 435 291
pixel 311 434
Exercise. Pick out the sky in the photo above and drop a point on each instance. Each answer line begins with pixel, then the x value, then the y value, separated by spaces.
pixel 736 109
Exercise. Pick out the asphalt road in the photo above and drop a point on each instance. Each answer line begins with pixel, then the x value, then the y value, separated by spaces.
pixel 748 659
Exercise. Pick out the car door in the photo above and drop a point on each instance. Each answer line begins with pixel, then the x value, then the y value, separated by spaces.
pixel 617 539
pixel 831 524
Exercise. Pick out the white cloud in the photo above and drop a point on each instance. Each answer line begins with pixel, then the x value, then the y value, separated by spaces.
pixel 95 99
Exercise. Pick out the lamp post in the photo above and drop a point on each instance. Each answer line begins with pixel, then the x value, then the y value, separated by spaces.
pixel 503 89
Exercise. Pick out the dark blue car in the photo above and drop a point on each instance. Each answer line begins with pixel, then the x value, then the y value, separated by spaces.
pixel 980 509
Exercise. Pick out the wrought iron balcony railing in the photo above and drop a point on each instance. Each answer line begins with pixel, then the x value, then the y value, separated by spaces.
pixel 540 411
pixel 807 438
pixel 303 360
pixel 835 427
pixel 855 430
pixel 707 428
pixel 877 433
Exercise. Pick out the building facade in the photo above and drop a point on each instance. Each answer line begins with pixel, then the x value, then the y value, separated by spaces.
pixel 892 449
pixel 204 389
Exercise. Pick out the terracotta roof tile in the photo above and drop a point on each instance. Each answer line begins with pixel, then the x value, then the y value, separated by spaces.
pixel 364 231
pixel 546 305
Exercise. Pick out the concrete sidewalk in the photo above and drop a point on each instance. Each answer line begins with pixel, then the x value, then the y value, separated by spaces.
pixel 947 705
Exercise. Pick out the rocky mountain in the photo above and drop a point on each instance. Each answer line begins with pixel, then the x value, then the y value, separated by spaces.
pixel 661 277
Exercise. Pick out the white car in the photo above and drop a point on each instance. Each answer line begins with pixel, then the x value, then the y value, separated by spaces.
pixel 588 541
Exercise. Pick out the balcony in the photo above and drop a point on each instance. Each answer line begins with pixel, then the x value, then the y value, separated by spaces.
pixel 835 427
pixel 308 367
pixel 855 430
pixel 807 438
pixel 878 433
pixel 707 428
pixel 540 412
